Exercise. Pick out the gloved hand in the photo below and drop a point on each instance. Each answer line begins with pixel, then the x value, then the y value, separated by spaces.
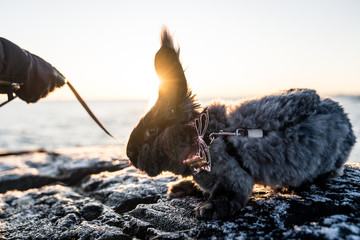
pixel 43 79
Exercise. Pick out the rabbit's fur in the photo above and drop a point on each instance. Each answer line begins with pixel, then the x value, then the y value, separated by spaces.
pixel 305 138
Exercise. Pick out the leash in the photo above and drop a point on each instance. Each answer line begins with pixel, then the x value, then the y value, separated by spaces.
pixel 92 115
pixel 251 133
pixel 11 97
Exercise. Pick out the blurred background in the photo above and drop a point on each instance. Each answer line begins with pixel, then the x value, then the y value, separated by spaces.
pixel 230 49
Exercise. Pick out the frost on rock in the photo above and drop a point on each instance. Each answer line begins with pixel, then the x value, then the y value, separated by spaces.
pixel 94 193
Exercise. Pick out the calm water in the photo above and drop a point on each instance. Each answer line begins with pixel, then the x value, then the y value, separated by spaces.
pixel 50 125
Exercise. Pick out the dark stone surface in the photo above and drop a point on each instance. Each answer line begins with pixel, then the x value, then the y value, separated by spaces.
pixel 93 193
pixel 69 166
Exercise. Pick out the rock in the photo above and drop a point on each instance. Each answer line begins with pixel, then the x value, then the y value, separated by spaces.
pixel 33 170
pixel 89 194
pixel 55 212
pixel 91 211
pixel 126 189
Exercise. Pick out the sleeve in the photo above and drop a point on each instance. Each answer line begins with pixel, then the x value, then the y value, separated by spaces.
pixel 14 64
pixel 43 79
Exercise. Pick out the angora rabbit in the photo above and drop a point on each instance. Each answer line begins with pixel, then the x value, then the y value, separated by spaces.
pixel 288 139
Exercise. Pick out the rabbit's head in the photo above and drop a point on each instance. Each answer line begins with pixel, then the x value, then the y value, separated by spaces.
pixel 164 138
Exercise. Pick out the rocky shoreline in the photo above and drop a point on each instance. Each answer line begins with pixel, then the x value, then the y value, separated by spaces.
pixel 94 193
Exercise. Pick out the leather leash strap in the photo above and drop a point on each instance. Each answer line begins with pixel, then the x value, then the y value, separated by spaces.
pixel 77 95
pixel 11 97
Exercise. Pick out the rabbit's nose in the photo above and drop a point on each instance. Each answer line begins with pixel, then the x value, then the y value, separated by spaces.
pixel 129 150
pixel 131 156
pixel 131 153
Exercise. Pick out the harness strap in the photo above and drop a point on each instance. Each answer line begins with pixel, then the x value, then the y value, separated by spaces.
pixel 82 102
pixel 202 160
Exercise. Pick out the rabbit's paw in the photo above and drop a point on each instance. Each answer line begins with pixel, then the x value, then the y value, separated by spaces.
pixel 184 187
pixel 214 210
pixel 219 208
pixel 205 211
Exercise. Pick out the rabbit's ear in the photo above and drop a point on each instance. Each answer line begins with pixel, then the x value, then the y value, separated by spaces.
pixel 173 86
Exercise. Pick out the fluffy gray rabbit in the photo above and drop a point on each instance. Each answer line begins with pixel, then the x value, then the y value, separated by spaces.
pixel 288 139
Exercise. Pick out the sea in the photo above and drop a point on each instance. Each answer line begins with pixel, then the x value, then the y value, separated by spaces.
pixel 50 125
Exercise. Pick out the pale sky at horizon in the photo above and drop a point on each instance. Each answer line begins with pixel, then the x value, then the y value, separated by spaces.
pixel 231 49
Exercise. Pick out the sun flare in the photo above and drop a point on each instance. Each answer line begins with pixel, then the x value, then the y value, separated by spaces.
pixel 152 94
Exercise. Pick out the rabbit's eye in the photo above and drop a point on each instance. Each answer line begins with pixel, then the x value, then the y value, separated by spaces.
pixel 152 131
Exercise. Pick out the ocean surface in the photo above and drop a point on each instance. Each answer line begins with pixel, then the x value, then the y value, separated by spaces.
pixel 50 125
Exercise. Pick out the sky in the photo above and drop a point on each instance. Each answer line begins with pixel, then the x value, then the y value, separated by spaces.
pixel 230 49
